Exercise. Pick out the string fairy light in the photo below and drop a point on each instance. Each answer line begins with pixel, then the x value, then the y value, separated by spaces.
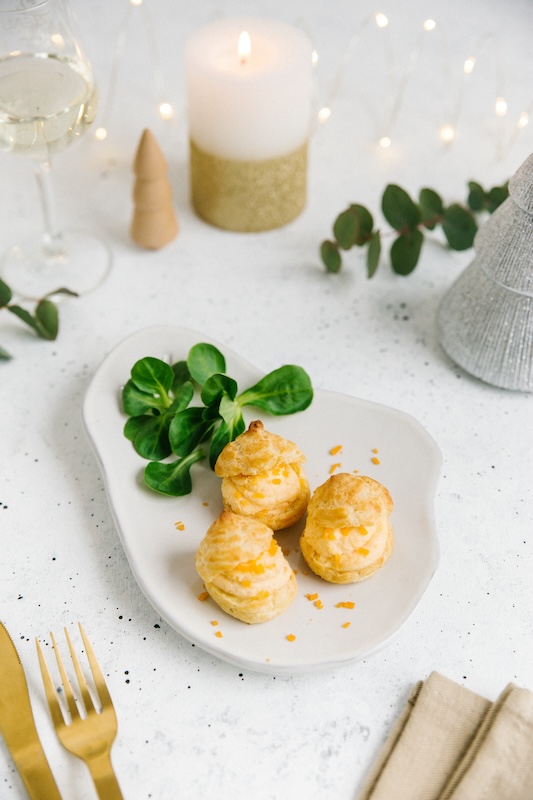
pixel 385 140
pixel 382 22
pixel 165 108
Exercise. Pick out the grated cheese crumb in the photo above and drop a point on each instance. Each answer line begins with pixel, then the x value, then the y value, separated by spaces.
pixel 334 467
pixel 346 624
pixel 345 604
pixel 179 525
pixel 218 634
pixel 312 596
pixel 290 637
pixel 335 450
pixel 203 596
pixel 214 622
pixel 319 604
pixel 375 460
pixel 363 551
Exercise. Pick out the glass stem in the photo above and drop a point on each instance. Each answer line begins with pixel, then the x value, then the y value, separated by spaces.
pixel 52 239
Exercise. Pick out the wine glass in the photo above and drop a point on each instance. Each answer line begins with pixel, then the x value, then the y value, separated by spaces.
pixel 48 98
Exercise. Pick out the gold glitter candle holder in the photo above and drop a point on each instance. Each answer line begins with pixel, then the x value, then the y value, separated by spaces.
pixel 248 196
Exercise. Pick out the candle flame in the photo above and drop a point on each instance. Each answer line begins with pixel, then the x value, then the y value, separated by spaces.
pixel 244 47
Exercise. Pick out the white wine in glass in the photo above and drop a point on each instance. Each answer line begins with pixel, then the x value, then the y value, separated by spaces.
pixel 48 98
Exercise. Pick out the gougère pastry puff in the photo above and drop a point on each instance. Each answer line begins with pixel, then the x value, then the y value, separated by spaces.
pixel 348 535
pixel 262 477
pixel 244 570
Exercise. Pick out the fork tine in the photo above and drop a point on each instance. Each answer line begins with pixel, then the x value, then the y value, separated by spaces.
pixel 99 680
pixel 67 688
pixel 82 683
pixel 49 690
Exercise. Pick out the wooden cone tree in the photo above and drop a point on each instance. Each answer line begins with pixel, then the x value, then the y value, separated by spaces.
pixel 154 223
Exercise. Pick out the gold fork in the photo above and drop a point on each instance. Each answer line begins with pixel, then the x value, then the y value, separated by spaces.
pixel 89 737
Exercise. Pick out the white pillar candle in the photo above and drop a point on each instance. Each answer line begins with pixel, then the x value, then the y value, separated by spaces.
pixel 248 107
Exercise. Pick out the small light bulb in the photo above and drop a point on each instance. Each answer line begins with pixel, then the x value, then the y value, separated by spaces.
pixel 385 142
pixel 381 20
pixel 469 65
pixel 429 25
pixel 100 134
pixel 523 120
pixel 244 47
pixel 136 2
pixel 314 58
pixel 500 107
pixel 166 111
pixel 447 133
pixel 324 114
pixel 58 40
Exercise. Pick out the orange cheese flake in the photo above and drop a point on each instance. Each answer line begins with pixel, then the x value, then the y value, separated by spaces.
pixel 246 583
pixel 179 525
pixel 363 551
pixel 346 624
pixel 334 467
pixel 375 460
pixel 345 604
pixel 218 634
pixel 319 604
pixel 273 549
pixel 214 622
pixel 375 450
pixel 259 495
pixel 203 596
pixel 250 566
pixel 312 596
pixel 205 503
pixel 362 530
pixel 276 481
pixel 335 450
pixel 290 637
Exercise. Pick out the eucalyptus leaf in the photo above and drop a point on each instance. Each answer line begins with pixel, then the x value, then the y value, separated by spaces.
pixel 47 318
pixel 459 227
pixel 283 391
pixel 399 210
pixel 373 254
pixel 174 478
pixel 476 196
pixel 5 294
pixel 4 355
pixel 346 229
pixel 405 252
pixel 365 223
pixel 205 360
pixel 25 316
pixel 331 258
pixel 431 208
pixel 496 196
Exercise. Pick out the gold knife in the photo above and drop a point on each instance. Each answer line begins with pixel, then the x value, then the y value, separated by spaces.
pixel 17 725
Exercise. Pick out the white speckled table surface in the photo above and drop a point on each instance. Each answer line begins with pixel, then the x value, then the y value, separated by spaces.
pixel 192 725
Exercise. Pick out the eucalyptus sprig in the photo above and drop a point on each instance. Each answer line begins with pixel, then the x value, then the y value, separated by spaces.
pixel 44 321
pixel 409 220
pixel 162 424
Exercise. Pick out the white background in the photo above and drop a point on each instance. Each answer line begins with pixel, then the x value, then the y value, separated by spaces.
pixel 192 726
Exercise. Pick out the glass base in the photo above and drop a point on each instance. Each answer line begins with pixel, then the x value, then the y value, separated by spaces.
pixel 77 261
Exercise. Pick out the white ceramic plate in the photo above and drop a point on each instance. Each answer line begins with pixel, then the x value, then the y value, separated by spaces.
pixel 162 556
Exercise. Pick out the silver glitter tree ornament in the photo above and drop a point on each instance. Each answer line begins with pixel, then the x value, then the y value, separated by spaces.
pixel 485 320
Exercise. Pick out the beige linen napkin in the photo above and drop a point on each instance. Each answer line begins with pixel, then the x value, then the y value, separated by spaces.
pixel 452 744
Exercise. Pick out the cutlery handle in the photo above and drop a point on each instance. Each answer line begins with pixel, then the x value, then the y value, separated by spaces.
pixel 104 778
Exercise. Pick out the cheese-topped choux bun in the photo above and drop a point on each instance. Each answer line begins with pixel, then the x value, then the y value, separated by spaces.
pixel 348 535
pixel 244 570
pixel 262 477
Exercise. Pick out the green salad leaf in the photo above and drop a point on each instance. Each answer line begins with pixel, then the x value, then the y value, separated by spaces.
pixel 171 434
